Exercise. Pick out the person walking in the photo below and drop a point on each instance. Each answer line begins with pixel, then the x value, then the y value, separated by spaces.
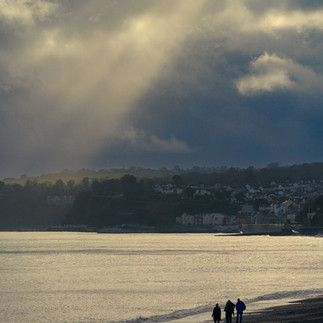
pixel 229 311
pixel 240 307
pixel 216 313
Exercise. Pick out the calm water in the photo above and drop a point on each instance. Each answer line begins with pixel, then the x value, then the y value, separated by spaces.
pixel 87 277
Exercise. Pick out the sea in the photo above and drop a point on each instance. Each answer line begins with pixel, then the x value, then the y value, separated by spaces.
pixel 93 277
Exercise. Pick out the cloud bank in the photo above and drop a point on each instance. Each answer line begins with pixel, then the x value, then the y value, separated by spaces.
pixel 271 73
pixel 158 83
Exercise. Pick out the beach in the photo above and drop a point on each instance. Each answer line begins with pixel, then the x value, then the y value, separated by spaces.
pixel 308 310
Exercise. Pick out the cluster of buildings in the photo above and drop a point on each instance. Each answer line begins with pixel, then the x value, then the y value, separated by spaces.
pixel 204 219
pixel 279 203
pixel 283 213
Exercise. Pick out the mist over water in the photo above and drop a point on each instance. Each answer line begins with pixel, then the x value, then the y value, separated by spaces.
pixel 86 277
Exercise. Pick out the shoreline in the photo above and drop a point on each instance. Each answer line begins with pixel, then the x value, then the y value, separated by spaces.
pixel 168 229
pixel 306 310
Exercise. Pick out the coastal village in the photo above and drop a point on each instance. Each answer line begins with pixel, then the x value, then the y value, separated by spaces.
pixel 246 201
pixel 253 209
pixel 277 204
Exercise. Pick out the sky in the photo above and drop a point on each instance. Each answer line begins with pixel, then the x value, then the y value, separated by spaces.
pixel 119 83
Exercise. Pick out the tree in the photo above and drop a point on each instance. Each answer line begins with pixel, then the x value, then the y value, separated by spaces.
pixel 85 184
pixel 70 185
pixel 178 181
pixel 59 187
pixel 131 188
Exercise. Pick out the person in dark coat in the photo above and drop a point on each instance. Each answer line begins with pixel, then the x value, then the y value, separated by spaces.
pixel 229 311
pixel 240 307
pixel 216 313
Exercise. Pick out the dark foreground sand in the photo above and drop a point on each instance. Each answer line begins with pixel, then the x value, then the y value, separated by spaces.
pixel 305 311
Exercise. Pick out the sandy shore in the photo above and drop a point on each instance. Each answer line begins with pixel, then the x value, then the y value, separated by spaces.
pixel 308 310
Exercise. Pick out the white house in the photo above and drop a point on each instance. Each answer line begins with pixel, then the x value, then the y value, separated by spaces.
pixel 187 219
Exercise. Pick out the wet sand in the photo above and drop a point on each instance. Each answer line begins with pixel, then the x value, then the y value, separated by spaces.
pixel 308 310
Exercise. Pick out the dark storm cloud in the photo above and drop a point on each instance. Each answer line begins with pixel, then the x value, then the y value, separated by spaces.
pixel 108 83
pixel 306 4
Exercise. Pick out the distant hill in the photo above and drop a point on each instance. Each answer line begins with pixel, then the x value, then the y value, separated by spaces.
pixel 195 175
pixel 78 175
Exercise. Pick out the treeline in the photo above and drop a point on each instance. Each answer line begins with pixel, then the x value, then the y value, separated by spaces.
pixel 257 176
pixel 131 199
pixel 209 175
pixel 24 206
pixel 99 203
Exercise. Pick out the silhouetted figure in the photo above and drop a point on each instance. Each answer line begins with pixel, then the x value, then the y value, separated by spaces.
pixel 229 311
pixel 216 313
pixel 240 307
